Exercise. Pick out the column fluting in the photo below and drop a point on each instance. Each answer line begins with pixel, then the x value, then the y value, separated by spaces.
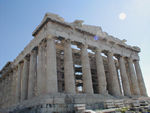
pixel 86 71
pixel 140 78
pixel 32 73
pixel 113 78
pixel 41 75
pixel 51 67
pixel 133 78
pixel 102 84
pixel 25 77
pixel 124 77
pixel 68 68
pixel 18 88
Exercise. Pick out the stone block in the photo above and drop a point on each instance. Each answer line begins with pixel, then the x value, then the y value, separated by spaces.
pixel 59 100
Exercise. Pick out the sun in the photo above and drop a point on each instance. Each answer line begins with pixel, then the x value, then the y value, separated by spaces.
pixel 122 16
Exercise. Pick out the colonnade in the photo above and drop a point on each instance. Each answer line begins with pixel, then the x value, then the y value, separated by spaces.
pixel 36 74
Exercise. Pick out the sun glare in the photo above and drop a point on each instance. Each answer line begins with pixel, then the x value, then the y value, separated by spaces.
pixel 122 16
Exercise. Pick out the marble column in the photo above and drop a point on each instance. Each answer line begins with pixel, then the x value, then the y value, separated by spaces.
pixel 6 91
pixel 102 84
pixel 6 86
pixel 41 75
pixel 133 78
pixel 2 92
pixel 86 71
pixel 68 68
pixel 32 73
pixel 140 80
pixel 119 78
pixel 14 84
pixel 113 78
pixel 1 89
pixel 2 97
pixel 18 88
pixel 7 102
pixel 51 69
pixel 124 77
pixel 25 77
pixel 10 88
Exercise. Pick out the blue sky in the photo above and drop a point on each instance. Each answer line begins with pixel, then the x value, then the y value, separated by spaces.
pixel 18 19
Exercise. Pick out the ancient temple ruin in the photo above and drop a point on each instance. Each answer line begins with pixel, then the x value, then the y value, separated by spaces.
pixel 70 63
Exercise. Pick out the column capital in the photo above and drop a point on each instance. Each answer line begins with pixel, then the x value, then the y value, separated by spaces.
pixel 14 68
pixel 130 59
pixel 42 43
pixel 27 57
pixel 97 49
pixel 136 60
pixel 50 36
pixel 34 49
pixel 118 56
pixel 83 46
pixel 20 63
pixel 67 41
pixel 107 52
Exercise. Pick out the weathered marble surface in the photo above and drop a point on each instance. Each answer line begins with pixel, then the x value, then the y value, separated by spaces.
pixel 65 59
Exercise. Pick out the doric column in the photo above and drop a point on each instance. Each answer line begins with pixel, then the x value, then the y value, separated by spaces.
pixel 32 73
pixel 113 78
pixel 119 77
pixel 7 91
pixel 1 89
pixel 124 77
pixel 86 71
pixel 18 88
pixel 51 69
pixel 14 84
pixel 2 92
pixel 134 83
pixel 140 80
pixel 68 68
pixel 102 84
pixel 3 96
pixel 25 77
pixel 10 88
pixel 41 75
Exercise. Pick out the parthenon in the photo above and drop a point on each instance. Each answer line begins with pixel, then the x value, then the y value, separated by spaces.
pixel 71 63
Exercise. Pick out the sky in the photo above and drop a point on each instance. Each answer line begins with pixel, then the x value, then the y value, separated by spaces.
pixel 19 18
